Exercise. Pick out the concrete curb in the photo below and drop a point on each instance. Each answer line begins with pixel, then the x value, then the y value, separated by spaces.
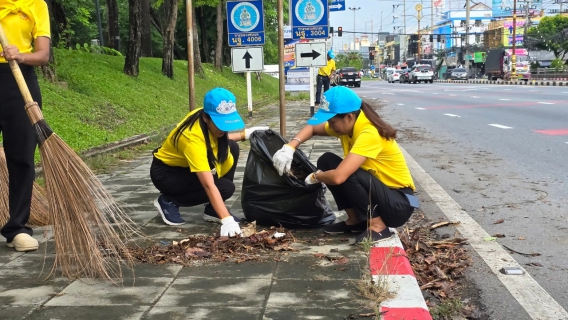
pixel 520 83
pixel 388 259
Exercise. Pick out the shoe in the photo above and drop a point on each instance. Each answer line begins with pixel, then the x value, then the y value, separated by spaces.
pixel 210 215
pixel 169 211
pixel 23 242
pixel 342 227
pixel 374 236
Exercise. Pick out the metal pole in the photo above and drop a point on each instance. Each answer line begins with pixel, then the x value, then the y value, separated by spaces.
pixel 354 9
pixel 432 25
pixel 249 94
pixel 404 15
pixel 102 44
pixel 417 61
pixel 281 81
pixel 467 14
pixel 190 62
pixel 514 56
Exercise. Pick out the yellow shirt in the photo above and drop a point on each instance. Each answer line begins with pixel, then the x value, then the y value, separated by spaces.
pixel 326 71
pixel 191 150
pixel 23 21
pixel 384 160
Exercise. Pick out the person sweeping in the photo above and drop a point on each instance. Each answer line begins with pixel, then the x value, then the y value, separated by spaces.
pixel 196 163
pixel 372 183
pixel 325 74
pixel 26 25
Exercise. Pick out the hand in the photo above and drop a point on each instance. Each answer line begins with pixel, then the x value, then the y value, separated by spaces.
pixel 311 178
pixel 229 227
pixel 282 159
pixel 12 53
pixel 253 129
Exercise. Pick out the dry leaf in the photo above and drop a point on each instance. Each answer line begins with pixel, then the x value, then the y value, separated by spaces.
pixel 499 235
pixel 522 238
pixel 342 260
pixel 499 221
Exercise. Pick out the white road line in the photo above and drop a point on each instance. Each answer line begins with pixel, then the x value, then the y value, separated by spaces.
pixel 400 104
pixel 530 295
pixel 546 102
pixel 475 97
pixel 452 95
pixel 451 115
pixel 437 92
pixel 507 89
pixel 500 126
pixel 374 98
pixel 505 99
pixel 420 109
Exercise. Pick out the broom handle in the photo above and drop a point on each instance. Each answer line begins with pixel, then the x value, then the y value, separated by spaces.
pixel 16 70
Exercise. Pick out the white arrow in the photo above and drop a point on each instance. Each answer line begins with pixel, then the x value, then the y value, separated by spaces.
pixel 336 6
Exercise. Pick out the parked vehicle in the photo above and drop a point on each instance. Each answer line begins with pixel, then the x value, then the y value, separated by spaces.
pixel 421 72
pixel 348 76
pixel 404 76
pixel 394 76
pixel 498 63
pixel 459 74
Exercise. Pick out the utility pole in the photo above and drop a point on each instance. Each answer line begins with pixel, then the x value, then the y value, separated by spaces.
pixel 514 56
pixel 354 9
pixel 418 8
pixel 101 42
pixel 281 86
pixel 527 22
pixel 467 13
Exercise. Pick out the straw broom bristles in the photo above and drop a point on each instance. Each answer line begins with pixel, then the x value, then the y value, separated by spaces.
pixel 87 222
pixel 38 212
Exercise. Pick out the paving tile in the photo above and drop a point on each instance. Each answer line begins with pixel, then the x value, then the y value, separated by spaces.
pixel 90 312
pixel 210 292
pixel 247 269
pixel 17 312
pixel 311 267
pixel 209 313
pixel 310 293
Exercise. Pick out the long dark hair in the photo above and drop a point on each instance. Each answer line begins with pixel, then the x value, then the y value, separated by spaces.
pixel 385 130
pixel 223 142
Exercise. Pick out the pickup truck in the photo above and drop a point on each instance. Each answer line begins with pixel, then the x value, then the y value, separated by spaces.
pixel 348 76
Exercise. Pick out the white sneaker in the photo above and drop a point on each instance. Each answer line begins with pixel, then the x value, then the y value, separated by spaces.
pixel 23 242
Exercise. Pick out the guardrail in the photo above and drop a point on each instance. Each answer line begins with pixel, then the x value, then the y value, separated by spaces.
pixel 531 82
pixel 549 74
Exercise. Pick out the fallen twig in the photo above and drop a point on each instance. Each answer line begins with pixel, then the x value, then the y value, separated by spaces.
pixel 534 254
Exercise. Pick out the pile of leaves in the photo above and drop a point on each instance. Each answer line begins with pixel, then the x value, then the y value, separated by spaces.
pixel 257 246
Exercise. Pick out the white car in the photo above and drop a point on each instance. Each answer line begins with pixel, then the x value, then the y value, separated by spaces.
pixel 421 72
pixel 393 76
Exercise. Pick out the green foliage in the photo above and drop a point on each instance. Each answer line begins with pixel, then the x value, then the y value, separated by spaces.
pixel 351 59
pixel 535 65
pixel 96 49
pixel 95 103
pixel 447 309
pixel 557 64
pixel 550 35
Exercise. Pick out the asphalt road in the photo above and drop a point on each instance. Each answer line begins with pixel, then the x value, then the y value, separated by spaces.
pixel 501 152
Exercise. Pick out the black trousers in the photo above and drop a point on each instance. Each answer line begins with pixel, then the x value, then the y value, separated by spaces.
pixel 20 142
pixel 182 187
pixel 389 204
pixel 322 81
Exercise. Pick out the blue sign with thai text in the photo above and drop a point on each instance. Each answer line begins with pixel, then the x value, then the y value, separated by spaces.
pixel 337 5
pixel 309 19
pixel 245 23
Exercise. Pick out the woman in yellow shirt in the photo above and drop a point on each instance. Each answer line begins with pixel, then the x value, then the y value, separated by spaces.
pixel 26 25
pixel 373 167
pixel 196 163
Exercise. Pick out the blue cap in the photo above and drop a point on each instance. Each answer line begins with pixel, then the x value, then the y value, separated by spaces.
pixel 220 105
pixel 336 100
pixel 331 54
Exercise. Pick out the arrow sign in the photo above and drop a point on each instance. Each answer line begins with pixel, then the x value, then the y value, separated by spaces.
pixel 314 54
pixel 337 7
pixel 247 58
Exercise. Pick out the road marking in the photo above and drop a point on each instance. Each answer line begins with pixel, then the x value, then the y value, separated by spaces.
pixel 400 104
pixel 505 99
pixel 437 92
pixel 374 98
pixel 452 95
pixel 451 115
pixel 500 126
pixel 507 89
pixel 546 102
pixel 475 97
pixel 530 295
pixel 420 108
pixel 387 93
pixel 553 132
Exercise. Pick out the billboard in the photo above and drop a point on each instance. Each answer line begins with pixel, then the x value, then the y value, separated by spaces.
pixel 508 33
pixel 505 8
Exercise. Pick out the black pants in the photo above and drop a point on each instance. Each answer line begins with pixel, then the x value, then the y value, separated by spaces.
pixel 389 204
pixel 20 142
pixel 321 81
pixel 182 187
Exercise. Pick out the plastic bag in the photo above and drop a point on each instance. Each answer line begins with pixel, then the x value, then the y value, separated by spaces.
pixel 276 200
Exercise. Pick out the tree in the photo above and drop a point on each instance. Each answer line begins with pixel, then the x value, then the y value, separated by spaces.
pixel 171 9
pixel 219 41
pixel 112 23
pixel 134 38
pixel 551 34
pixel 197 68
pixel 145 31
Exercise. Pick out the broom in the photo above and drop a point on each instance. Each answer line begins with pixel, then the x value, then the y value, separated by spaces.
pixel 38 211
pixel 87 222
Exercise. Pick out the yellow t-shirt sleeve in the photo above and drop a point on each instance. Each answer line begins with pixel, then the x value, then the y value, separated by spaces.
pixel 367 145
pixel 196 154
pixel 41 27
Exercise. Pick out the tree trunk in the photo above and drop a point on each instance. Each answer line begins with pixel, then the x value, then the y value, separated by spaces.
pixel 60 19
pixel 219 45
pixel 156 22
pixel 205 50
pixel 134 38
pixel 171 9
pixel 197 68
pixel 113 35
pixel 48 71
pixel 146 31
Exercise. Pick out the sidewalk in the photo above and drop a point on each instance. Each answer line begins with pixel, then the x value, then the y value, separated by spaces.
pixel 295 285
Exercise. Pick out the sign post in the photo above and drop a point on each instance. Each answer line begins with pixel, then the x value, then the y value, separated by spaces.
pixel 245 25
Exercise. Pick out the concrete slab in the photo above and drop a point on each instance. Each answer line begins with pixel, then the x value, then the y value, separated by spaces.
pixel 17 312
pixel 313 313
pixel 91 313
pixel 306 293
pixel 248 269
pixel 311 267
pixel 209 313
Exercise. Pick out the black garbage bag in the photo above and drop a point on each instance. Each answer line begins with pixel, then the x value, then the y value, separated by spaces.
pixel 275 200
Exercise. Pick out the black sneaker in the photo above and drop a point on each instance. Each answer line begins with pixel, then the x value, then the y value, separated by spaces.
pixel 374 236
pixel 210 215
pixel 342 227
pixel 169 211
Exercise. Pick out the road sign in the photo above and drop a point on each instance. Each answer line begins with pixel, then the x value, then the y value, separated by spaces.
pixel 309 19
pixel 311 54
pixel 246 59
pixel 245 23
pixel 337 5
pixel 372 67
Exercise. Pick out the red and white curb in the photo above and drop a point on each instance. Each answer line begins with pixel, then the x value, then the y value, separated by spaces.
pixel 388 262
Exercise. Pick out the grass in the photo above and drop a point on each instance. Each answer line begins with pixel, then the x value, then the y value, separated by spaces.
pixel 447 309
pixel 94 103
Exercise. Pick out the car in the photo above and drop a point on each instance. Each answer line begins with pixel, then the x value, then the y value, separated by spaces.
pixel 459 74
pixel 421 72
pixel 404 75
pixel 348 76
pixel 394 76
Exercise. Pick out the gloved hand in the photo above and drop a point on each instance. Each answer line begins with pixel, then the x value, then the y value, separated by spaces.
pixel 311 178
pixel 253 129
pixel 282 159
pixel 229 227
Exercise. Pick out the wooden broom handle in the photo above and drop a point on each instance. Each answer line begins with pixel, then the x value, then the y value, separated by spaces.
pixel 16 70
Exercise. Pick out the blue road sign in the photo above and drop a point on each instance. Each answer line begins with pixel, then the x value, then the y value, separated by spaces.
pixel 309 19
pixel 372 67
pixel 245 23
pixel 337 5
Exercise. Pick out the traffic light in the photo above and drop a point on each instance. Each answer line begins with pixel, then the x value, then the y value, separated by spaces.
pixel 339 31
pixel 439 38
pixel 431 38
pixel 330 30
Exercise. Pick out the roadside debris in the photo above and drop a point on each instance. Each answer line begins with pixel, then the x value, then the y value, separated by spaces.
pixel 533 254
pixel 443 224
